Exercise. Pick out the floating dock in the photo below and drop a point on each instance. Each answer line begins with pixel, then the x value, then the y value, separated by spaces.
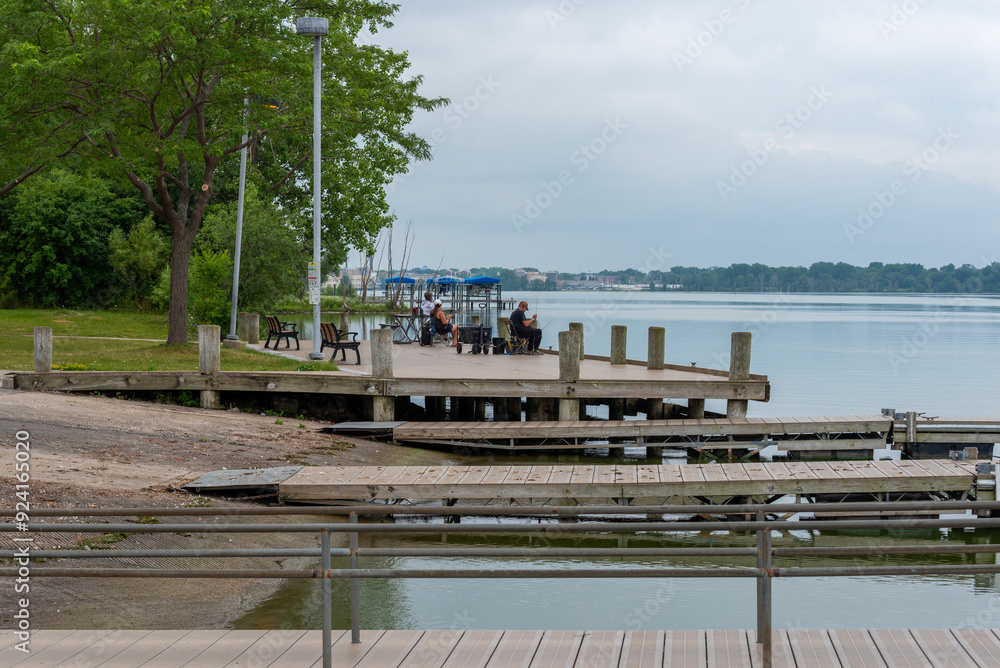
pixel 815 648
pixel 623 484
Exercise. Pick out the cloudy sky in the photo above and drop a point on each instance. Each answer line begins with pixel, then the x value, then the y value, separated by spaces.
pixel 592 134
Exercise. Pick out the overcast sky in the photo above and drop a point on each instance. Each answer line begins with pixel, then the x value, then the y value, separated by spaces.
pixel 592 134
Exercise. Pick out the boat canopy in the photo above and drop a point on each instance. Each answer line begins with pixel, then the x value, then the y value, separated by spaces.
pixel 396 280
pixel 483 280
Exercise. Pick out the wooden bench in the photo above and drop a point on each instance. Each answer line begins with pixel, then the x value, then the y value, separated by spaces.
pixel 334 338
pixel 277 329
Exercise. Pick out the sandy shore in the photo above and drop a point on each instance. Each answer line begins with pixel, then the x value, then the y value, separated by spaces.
pixel 104 453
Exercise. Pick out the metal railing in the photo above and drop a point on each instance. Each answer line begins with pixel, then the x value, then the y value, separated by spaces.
pixel 763 552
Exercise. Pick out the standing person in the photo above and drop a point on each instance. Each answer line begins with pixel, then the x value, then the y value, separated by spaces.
pixel 427 305
pixel 523 325
pixel 442 323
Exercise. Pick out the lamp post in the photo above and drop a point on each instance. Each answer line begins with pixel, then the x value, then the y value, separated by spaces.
pixel 316 28
pixel 239 235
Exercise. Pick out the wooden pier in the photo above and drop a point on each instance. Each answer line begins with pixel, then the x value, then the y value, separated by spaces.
pixel 836 432
pixel 680 483
pixel 793 648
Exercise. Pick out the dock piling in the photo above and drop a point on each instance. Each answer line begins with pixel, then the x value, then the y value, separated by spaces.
pixel 569 371
pixel 43 349
pixel 578 327
pixel 209 360
pixel 657 344
pixel 739 369
pixel 696 408
pixel 248 327
pixel 618 337
pixel 383 407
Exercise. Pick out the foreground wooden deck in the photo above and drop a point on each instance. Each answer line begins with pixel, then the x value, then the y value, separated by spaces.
pixel 322 483
pixel 800 648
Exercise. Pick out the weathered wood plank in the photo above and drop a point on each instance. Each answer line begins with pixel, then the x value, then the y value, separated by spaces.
pixel 308 649
pixel 389 650
pixel 144 649
pixel 898 649
pixel 262 651
pixel 856 648
pixel 433 649
pixel 474 649
pixel 942 648
pixel 813 648
pixel 601 648
pixel 727 649
pixel 642 649
pixel 684 648
pixel 557 649
pixel 515 649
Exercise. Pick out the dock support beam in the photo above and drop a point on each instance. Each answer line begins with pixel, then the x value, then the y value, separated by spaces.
pixel 383 407
pixel 739 369
pixel 569 371
pixel 209 360
pixel 619 334
pixel 43 349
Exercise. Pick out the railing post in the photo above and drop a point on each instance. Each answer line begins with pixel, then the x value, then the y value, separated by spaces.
pixel 43 349
pixel 327 599
pixel 739 369
pixel 764 592
pixel 355 601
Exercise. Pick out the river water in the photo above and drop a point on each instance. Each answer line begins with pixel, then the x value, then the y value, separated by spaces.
pixel 824 355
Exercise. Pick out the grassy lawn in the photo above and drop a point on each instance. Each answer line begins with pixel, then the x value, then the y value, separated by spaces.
pixel 17 347
pixel 66 322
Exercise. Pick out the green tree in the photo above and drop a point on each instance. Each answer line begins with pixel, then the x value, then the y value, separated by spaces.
pixel 138 258
pixel 54 245
pixel 160 93
pixel 272 257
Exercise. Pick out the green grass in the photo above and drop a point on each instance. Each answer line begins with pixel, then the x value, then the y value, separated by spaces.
pixel 67 322
pixel 96 354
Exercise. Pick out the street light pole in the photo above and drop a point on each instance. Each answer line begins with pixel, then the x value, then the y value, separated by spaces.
pixel 239 234
pixel 316 28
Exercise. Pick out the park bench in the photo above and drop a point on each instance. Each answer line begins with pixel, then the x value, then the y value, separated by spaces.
pixel 277 329
pixel 334 338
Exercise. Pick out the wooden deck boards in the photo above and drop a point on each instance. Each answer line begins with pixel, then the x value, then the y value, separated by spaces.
pixel 840 648
pixel 316 483
pixel 472 431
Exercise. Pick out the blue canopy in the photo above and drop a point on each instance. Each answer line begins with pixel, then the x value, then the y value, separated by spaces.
pixel 444 280
pixel 483 280
pixel 397 280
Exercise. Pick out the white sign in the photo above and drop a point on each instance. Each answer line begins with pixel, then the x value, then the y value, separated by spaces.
pixel 314 295
pixel 313 277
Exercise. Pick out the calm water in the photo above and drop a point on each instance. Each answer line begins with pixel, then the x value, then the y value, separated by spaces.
pixel 824 354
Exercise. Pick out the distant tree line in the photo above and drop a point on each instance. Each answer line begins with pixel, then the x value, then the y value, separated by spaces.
pixel 818 277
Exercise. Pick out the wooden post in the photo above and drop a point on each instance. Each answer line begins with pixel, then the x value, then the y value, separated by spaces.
pixel 345 321
pixel 43 349
pixel 480 409
pixel 467 409
pixel 654 409
pixel 531 410
pixel 477 320
pixel 569 371
pixel 209 360
pixel 248 327
pixel 657 342
pixel 696 408
pixel 548 409
pixel 739 369
pixel 618 335
pixel 383 407
pixel 616 409
pixel 578 327
pixel 499 409
pixel 513 409
pixel 502 332
pixel 434 408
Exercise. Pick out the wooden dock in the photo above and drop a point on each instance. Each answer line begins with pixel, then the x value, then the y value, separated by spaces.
pixel 682 483
pixel 836 432
pixel 835 648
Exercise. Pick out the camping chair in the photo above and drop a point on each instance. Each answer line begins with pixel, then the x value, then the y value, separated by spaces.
pixel 277 329
pixel 334 338
pixel 515 344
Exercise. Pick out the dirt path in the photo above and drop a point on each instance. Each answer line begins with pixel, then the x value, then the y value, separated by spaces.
pixel 99 452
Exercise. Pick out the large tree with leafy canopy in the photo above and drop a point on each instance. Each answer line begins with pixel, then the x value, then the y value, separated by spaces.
pixel 160 93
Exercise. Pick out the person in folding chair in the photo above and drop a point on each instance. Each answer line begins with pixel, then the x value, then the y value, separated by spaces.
pixel 442 323
pixel 524 326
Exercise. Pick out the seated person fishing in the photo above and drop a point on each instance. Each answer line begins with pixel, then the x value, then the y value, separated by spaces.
pixel 442 323
pixel 523 325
